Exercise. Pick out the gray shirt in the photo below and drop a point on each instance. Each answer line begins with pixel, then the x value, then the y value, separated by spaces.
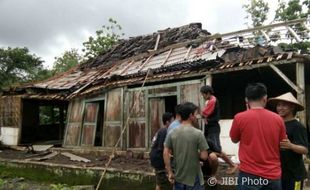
pixel 185 142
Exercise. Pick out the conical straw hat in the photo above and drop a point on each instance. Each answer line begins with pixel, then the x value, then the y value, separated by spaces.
pixel 287 97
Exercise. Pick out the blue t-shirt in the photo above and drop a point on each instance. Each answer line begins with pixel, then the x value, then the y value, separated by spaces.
pixel 175 124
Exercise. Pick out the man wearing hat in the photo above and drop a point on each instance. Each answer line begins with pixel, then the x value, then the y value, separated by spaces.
pixel 292 148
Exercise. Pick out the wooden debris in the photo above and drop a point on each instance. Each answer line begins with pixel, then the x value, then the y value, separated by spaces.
pixel 19 148
pixel 38 154
pixel 39 148
pixel 49 156
pixel 74 157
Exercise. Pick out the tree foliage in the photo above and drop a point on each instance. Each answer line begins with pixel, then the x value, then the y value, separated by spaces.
pixel 18 65
pixel 291 10
pixel 68 60
pixel 257 11
pixel 105 38
pixel 294 9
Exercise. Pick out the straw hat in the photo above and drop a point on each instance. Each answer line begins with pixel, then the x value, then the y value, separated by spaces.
pixel 287 97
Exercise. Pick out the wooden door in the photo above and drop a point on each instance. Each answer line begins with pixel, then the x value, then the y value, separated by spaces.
pixel 89 123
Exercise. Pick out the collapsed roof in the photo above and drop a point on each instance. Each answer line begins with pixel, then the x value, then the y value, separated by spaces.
pixel 168 53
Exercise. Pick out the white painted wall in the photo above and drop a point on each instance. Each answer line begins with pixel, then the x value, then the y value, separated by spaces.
pixel 227 146
pixel 9 135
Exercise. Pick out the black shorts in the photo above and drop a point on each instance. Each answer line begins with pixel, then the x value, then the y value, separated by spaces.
pixel 161 178
pixel 206 168
pixel 213 140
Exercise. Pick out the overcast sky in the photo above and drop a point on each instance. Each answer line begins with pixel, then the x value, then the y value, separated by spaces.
pixel 49 27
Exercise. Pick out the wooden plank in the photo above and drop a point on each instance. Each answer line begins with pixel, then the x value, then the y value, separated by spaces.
pixel 49 156
pixel 111 134
pixel 145 62
pixel 138 108
pixel 300 79
pixel 38 148
pixel 156 110
pixel 167 57
pixel 136 134
pixel 72 134
pixel 75 157
pixel 163 90
pixel 89 123
pixel 286 79
pixel 114 107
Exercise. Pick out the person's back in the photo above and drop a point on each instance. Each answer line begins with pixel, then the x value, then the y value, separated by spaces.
pixel 259 133
pixel 262 131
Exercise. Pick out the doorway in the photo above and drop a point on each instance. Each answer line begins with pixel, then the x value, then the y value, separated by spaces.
pixel 92 130
pixel 157 107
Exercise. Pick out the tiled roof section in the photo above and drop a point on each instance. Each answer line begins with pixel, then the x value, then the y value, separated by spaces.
pixel 198 67
pixel 164 61
pixel 142 44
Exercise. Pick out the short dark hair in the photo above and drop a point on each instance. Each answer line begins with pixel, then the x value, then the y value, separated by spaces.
pixel 186 109
pixel 167 117
pixel 177 109
pixel 206 89
pixel 255 91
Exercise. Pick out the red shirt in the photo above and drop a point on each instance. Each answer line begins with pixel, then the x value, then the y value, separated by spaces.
pixel 259 132
pixel 209 107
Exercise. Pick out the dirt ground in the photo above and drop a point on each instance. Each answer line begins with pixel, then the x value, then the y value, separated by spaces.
pixel 125 162
pixel 118 162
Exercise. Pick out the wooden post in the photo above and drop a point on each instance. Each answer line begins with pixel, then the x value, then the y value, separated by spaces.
pixel 300 80
pixel 209 79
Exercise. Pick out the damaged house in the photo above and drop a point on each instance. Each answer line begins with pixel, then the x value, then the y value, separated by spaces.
pixel 121 94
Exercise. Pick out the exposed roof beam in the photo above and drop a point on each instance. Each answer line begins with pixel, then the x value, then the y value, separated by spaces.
pixel 286 79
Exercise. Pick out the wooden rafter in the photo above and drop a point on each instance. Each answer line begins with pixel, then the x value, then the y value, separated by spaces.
pixel 286 79
pixel 167 57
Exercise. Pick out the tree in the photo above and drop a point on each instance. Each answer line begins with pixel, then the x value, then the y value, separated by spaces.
pixel 17 66
pixel 294 9
pixel 256 11
pixel 105 38
pixel 68 60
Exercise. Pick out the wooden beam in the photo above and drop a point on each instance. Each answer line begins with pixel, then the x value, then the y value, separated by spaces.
pixel 286 79
pixel 157 42
pixel 145 62
pixel 167 57
pixel 300 79
pixel 187 53
pixel 209 80
pixel 266 36
pixel 297 38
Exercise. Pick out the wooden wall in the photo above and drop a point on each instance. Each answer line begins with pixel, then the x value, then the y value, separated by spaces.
pixel 137 118
pixel 74 123
pixel 10 119
pixel 10 111
pixel 114 117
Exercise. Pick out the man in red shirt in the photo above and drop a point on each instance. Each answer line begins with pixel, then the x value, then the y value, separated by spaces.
pixel 259 133
pixel 211 114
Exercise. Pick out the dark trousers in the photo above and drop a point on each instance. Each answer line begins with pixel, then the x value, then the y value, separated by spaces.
pixel 181 186
pixel 252 182
pixel 291 184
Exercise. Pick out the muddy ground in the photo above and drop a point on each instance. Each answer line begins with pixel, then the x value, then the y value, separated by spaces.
pixel 133 162
pixel 118 162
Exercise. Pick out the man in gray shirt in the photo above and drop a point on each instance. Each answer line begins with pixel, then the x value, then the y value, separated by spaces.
pixel 188 146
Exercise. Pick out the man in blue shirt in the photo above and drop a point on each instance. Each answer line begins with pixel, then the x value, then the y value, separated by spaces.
pixel 177 122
